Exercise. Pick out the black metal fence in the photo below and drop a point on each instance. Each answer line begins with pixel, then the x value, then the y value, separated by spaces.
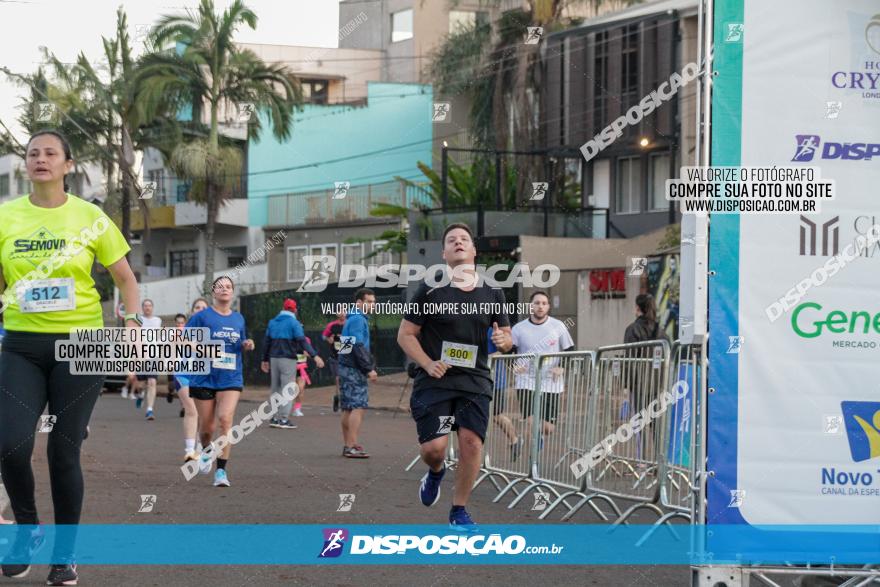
pixel 258 309
pixel 541 191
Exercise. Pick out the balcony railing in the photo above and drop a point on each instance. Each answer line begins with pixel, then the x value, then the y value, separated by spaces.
pixel 541 221
pixel 331 206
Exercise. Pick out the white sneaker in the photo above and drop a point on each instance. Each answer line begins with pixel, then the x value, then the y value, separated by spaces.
pixel 124 392
pixel 220 478
pixel 297 412
pixel 205 463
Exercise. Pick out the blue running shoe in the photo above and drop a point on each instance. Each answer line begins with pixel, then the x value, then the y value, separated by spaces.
pixel 138 402
pixel 460 521
pixel 220 478
pixel 429 489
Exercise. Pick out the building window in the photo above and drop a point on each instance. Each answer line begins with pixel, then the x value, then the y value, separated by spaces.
pixel 296 259
pixel 24 185
pixel 402 25
pixel 314 90
pixel 157 177
pixel 600 67
pixel 629 61
pixel 183 262
pixel 235 256
pixel 296 268
pixel 383 258
pixel 659 170
pixel 629 182
pixel 4 185
pixel 601 184
pixel 183 191
pixel 464 20
pixel 329 250
pixel 572 190
pixel 352 254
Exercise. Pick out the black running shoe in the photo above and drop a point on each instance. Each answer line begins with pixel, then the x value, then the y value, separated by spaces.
pixel 169 397
pixel 24 548
pixel 16 571
pixel 62 575
pixel 336 403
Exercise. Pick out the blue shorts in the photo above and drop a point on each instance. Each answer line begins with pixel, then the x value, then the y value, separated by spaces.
pixel 353 389
pixel 180 381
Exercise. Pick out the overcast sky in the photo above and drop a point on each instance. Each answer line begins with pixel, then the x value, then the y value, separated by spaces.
pixel 67 27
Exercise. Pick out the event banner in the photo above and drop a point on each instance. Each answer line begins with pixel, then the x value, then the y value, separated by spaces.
pixel 794 310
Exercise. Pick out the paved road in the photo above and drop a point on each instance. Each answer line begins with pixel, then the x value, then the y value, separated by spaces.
pixel 288 477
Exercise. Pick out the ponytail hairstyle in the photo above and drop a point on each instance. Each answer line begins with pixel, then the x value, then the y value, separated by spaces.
pixel 65 146
pixel 645 304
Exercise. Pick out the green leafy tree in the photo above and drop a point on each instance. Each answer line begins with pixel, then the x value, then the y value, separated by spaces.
pixel 206 70
pixel 93 106
pixel 468 188
pixel 501 75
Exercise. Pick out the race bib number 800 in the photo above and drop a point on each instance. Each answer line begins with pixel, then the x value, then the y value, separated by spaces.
pixel 459 355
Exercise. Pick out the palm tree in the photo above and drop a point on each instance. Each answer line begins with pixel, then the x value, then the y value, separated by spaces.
pixel 95 111
pixel 207 70
pixel 124 127
pixel 76 126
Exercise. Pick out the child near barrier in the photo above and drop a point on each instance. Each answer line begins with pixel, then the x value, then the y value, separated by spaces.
pixel 302 378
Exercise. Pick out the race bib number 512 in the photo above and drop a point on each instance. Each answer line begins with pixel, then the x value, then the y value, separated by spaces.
pixel 47 295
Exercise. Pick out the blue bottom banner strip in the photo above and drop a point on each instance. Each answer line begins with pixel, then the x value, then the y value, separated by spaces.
pixel 266 544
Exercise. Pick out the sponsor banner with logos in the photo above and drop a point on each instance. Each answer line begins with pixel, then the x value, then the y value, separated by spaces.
pixel 351 544
pixel 794 415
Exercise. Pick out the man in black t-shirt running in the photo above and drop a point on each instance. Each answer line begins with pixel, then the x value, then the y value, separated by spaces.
pixel 453 386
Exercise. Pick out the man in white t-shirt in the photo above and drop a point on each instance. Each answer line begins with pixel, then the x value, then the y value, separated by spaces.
pixel 540 334
pixel 149 379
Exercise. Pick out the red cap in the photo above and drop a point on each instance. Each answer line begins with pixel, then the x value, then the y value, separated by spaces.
pixel 290 305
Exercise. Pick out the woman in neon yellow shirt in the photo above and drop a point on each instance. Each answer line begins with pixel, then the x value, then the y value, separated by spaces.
pixel 49 241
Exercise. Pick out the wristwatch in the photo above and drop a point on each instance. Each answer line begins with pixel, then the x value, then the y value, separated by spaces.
pixel 135 318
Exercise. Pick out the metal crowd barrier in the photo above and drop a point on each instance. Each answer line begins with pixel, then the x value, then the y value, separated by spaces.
pixel 557 393
pixel 582 400
pixel 682 429
pixel 505 453
pixel 628 378
pixel 569 443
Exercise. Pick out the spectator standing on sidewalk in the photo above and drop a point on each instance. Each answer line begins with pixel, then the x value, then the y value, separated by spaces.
pixel 355 370
pixel 285 340
pixel 331 335
pixel 645 326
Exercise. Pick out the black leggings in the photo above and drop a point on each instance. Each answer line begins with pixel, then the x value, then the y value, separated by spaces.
pixel 30 377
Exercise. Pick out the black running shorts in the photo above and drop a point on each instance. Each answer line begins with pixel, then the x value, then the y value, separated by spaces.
pixel 549 404
pixel 438 412
pixel 206 393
